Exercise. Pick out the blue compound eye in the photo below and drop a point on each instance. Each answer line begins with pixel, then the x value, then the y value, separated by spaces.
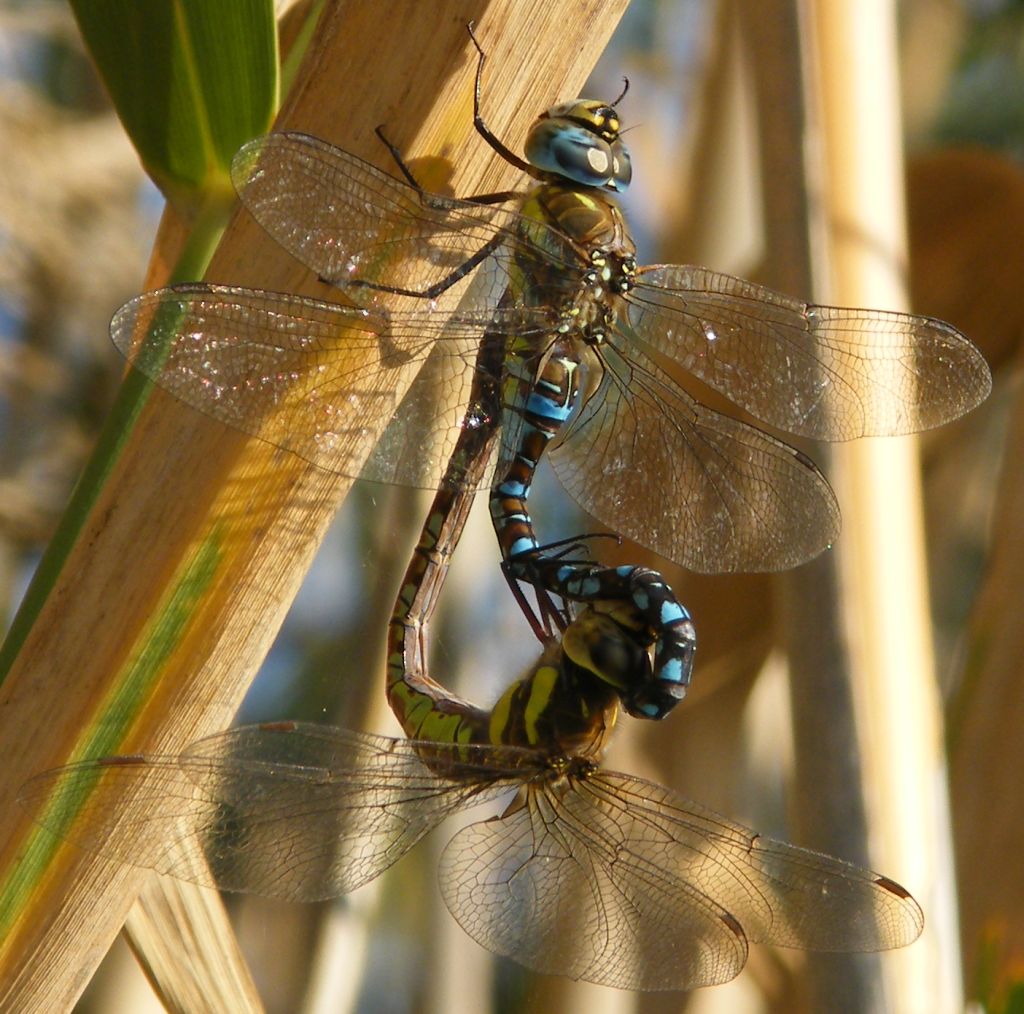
pixel 579 141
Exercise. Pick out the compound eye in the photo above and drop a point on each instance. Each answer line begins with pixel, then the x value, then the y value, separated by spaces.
pixel 576 153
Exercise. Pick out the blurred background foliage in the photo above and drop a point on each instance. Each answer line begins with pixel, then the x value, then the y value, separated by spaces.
pixel 77 217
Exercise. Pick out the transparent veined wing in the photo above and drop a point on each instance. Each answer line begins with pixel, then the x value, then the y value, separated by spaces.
pixel 294 811
pixel 826 372
pixel 618 881
pixel 357 226
pixel 698 487
pixel 823 372
pixel 598 876
pixel 314 377
pixel 538 886
pixel 780 893
pixel 642 456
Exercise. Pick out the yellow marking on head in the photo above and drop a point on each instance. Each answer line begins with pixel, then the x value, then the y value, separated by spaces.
pixel 625 614
pixel 597 643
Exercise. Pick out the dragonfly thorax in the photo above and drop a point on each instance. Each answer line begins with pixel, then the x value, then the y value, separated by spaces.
pixel 612 273
pixel 579 141
pixel 560 767
pixel 593 312
pixel 579 257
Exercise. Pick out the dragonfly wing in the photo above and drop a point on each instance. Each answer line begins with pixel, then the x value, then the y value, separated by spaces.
pixel 548 886
pixel 357 226
pixel 424 426
pixel 313 377
pixel 700 488
pixel 779 893
pixel 461 387
pixel 817 371
pixel 299 812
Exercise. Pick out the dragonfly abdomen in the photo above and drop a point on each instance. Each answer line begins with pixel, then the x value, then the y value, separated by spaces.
pixel 544 403
pixel 423 707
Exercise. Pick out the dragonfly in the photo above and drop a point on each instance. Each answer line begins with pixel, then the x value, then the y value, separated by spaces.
pixel 583 872
pixel 558 336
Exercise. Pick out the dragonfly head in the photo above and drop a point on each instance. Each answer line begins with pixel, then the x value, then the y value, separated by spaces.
pixel 579 141
pixel 595 642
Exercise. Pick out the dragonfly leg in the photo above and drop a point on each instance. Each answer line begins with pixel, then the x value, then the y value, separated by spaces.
pixel 435 200
pixel 546 619
pixel 482 129
pixel 433 291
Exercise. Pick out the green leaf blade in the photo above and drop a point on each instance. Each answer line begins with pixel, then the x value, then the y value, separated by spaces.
pixel 191 81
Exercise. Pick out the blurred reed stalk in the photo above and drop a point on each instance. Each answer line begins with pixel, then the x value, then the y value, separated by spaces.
pixel 828 799
pixel 854 78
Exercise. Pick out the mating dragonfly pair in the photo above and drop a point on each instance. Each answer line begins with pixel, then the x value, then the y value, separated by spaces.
pixel 557 335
